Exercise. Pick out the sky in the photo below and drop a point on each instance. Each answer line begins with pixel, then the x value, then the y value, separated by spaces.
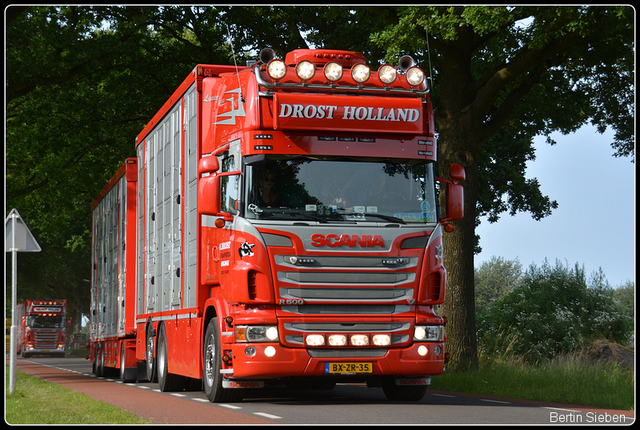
pixel 594 224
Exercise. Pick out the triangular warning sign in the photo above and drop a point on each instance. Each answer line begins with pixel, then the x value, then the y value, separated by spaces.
pixel 16 229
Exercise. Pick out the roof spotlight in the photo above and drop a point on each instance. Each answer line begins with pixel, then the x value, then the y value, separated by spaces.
pixel 276 69
pixel 360 72
pixel 333 71
pixel 387 74
pixel 415 76
pixel 305 70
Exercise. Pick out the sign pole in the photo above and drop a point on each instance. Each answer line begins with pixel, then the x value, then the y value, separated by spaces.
pixel 18 238
pixel 14 294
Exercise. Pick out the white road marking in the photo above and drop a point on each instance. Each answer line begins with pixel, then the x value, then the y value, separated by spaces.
pixel 266 415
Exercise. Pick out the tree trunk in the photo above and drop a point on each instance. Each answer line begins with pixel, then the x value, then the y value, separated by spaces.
pixel 459 306
pixel 458 143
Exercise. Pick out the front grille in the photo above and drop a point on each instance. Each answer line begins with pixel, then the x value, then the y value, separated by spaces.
pixel 347 294
pixel 46 340
pixel 346 309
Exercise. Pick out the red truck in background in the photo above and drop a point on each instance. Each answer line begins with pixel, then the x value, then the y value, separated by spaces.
pixel 41 326
pixel 279 225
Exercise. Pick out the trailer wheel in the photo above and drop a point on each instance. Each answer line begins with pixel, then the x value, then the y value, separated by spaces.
pixel 151 359
pixel 100 361
pixel 167 381
pixel 211 365
pixel 404 393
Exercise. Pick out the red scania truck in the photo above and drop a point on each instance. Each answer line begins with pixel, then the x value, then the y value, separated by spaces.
pixel 279 225
pixel 41 326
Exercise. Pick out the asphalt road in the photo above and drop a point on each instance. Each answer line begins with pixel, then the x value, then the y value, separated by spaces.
pixel 345 404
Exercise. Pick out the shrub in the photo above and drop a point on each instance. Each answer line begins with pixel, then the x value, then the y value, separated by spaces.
pixel 553 310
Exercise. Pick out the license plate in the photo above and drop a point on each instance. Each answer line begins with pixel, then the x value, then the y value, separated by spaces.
pixel 348 368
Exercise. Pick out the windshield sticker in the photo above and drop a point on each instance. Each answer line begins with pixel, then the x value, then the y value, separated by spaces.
pixel 417 217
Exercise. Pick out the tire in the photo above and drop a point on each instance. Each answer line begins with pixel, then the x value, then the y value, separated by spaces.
pixel 126 375
pixel 100 361
pixel 404 393
pixel 211 365
pixel 166 380
pixel 151 359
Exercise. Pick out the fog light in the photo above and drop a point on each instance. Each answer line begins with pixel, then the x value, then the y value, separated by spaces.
pixel 359 340
pixel 337 340
pixel 250 351
pixel 314 340
pixel 381 339
pixel 422 350
pixel 269 351
pixel 437 350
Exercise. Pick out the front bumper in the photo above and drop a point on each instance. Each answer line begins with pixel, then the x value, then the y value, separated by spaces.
pixel 295 362
pixel 33 350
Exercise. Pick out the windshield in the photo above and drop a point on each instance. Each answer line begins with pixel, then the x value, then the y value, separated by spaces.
pixel 39 321
pixel 324 189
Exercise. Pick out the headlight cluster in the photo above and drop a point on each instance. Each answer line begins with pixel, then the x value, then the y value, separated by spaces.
pixel 333 72
pixel 428 333
pixel 256 333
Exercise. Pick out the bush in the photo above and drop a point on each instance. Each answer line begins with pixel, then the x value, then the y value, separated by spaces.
pixel 553 310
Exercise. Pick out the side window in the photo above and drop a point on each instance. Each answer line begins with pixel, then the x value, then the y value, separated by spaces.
pixel 229 185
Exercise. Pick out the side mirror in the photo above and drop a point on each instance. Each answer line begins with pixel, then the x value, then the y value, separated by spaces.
pixel 208 165
pixel 69 322
pixel 454 194
pixel 209 195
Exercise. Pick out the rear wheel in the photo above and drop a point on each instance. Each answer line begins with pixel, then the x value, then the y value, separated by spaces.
pixel 212 363
pixel 166 380
pixel 125 375
pixel 100 361
pixel 151 359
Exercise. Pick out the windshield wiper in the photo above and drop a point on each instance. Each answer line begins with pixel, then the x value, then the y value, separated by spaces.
pixel 386 217
pixel 268 211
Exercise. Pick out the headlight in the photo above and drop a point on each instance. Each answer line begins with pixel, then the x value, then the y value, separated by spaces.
pixel 428 333
pixel 387 74
pixel 276 69
pixel 415 76
pixel 256 333
pixel 305 70
pixel 333 71
pixel 360 72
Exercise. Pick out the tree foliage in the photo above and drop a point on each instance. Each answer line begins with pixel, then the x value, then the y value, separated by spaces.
pixel 554 310
pixel 494 279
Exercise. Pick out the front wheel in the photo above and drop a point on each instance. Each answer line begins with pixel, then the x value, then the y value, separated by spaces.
pixel 413 393
pixel 211 365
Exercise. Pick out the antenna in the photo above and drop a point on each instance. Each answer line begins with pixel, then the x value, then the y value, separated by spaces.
pixel 426 30
pixel 234 61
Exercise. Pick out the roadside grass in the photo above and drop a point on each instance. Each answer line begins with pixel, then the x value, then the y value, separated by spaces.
pixel 571 381
pixel 35 401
